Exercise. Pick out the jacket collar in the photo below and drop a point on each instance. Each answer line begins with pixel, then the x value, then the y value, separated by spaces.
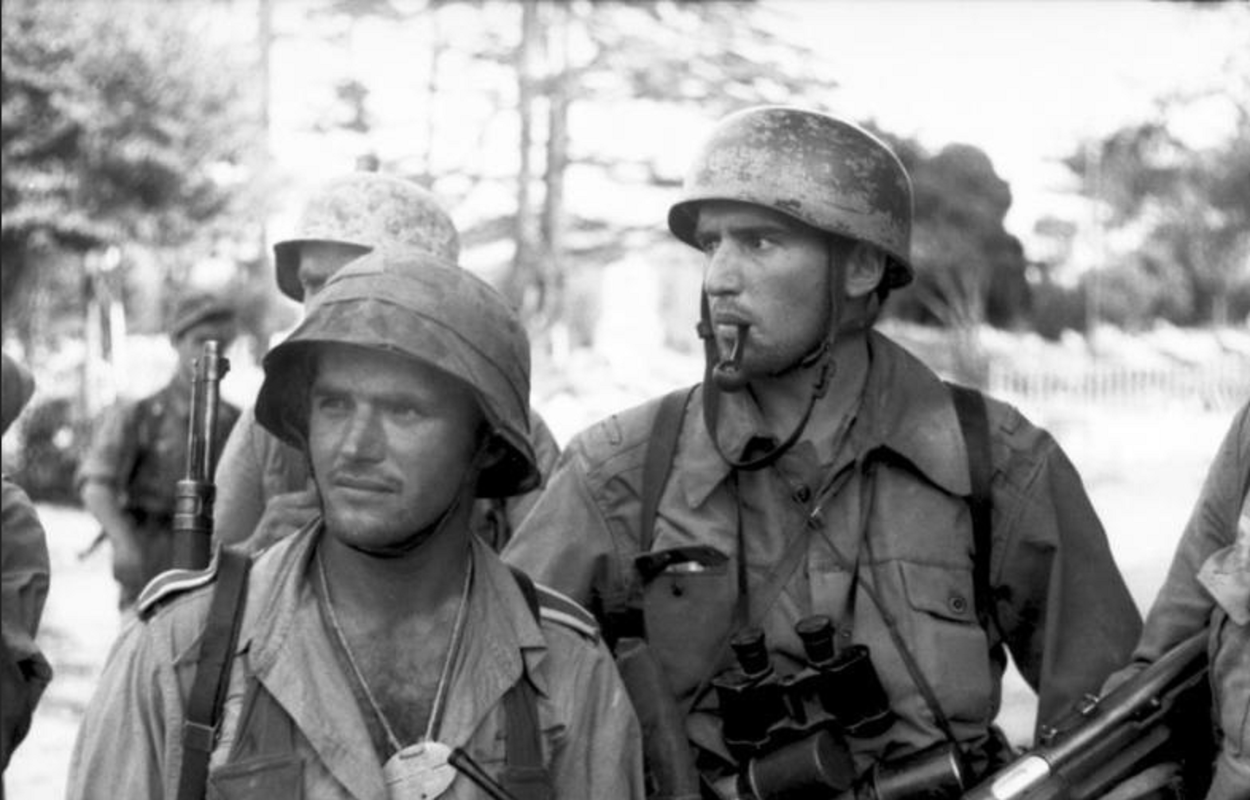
pixel 907 411
pixel 503 645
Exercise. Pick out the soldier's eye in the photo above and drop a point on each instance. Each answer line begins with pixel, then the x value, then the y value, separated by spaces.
pixel 405 412
pixel 331 403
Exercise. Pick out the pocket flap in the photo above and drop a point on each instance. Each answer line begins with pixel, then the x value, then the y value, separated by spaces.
pixel 690 559
pixel 262 778
pixel 942 591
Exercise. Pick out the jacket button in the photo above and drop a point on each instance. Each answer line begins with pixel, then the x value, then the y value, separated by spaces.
pixel 802 494
pixel 678 590
pixel 958 604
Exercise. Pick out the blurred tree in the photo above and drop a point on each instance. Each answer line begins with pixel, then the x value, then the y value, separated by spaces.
pixel 969 270
pixel 638 58
pixel 121 127
pixel 1184 206
pixel 628 58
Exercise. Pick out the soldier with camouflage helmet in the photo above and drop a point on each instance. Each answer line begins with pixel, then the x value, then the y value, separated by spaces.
pixel 383 650
pixel 823 504
pixel 264 491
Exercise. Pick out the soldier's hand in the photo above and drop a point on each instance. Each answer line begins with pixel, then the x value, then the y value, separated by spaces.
pixel 284 515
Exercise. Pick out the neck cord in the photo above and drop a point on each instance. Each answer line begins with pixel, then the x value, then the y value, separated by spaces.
pixel 444 678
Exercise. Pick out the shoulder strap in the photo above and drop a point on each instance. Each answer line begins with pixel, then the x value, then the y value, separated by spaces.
pixel 212 671
pixel 528 589
pixel 974 423
pixel 658 461
pixel 524 776
pixel 621 617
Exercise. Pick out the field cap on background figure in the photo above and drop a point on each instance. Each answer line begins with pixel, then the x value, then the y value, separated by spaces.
pixel 197 307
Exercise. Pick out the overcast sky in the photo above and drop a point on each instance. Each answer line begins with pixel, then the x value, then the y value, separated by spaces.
pixel 1024 80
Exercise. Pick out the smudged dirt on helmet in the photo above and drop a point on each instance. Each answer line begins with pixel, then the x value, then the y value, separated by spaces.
pixel 417 306
pixel 825 172
pixel 368 210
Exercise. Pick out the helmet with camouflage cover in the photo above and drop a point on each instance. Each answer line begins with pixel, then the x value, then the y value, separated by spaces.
pixel 368 210
pixel 825 172
pixel 420 307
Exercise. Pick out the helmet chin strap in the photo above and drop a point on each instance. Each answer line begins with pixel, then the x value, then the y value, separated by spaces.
pixel 726 375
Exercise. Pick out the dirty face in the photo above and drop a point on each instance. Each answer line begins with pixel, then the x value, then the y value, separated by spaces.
pixel 392 443
pixel 769 272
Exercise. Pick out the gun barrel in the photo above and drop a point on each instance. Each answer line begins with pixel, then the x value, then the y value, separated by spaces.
pixel 1103 730
pixel 193 495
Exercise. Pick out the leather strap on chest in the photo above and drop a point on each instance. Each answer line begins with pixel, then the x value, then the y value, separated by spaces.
pixel 212 672
pixel 625 619
pixel 975 426
pixel 524 775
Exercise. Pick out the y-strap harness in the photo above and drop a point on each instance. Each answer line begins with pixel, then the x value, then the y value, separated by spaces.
pixel 524 775
pixel 974 425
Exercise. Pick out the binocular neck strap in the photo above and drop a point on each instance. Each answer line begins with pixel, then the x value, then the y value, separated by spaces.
pixel 868 496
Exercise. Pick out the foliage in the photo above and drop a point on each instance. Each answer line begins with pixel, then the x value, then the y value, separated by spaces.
pixel 120 127
pixel 53 438
pixel 1188 205
pixel 1057 308
pixel 544 65
pixel 968 268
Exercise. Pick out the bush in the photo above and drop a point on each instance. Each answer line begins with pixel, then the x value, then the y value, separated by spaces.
pixel 1056 309
pixel 53 439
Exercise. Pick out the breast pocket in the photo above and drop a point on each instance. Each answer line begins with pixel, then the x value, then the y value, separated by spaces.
pixel 688 601
pixel 948 641
pixel 263 778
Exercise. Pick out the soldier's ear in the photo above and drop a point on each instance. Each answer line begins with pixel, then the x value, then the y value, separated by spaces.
pixel 865 268
pixel 491 450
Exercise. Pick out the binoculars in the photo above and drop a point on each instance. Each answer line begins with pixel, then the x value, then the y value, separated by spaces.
pixel 836 691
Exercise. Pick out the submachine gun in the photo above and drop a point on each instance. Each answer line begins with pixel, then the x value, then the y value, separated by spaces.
pixel 1161 714
pixel 193 495
pixel 789 734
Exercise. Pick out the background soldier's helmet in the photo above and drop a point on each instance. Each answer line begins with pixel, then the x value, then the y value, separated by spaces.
pixel 824 172
pixel 368 210
pixel 420 307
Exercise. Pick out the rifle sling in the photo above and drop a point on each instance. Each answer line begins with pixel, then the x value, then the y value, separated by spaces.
pixel 212 672
pixel 524 775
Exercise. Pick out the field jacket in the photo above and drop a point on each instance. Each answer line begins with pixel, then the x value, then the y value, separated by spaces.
pixel 129 744
pixel 900 524
pixel 1208 586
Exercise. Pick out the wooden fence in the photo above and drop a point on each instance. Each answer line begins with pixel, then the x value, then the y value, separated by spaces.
pixel 1220 385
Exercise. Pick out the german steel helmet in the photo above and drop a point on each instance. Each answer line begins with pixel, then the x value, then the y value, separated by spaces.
pixel 369 210
pixel 825 172
pixel 418 306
